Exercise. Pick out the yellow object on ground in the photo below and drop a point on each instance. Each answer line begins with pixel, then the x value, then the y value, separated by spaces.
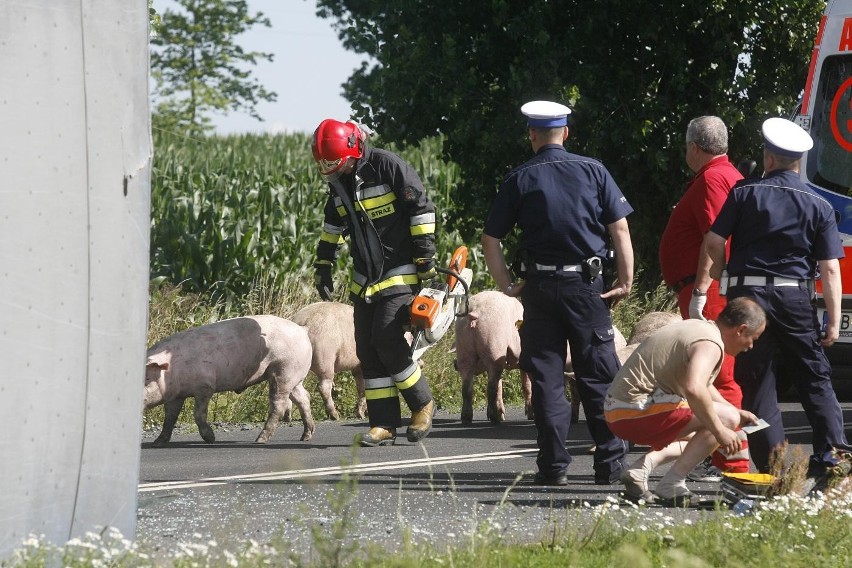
pixel 751 478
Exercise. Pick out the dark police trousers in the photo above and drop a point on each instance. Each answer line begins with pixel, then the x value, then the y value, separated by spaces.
pixel 386 359
pixel 561 309
pixel 789 345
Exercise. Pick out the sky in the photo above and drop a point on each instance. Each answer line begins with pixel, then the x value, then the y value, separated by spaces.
pixel 307 72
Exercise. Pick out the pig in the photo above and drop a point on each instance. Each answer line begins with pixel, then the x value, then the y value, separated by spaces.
pixel 230 355
pixel 331 329
pixel 649 323
pixel 625 351
pixel 487 341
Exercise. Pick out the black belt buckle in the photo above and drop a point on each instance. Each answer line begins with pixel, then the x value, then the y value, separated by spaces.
pixel 522 265
pixel 592 268
pixel 681 284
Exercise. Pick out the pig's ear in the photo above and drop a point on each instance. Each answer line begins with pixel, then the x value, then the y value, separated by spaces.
pixel 164 366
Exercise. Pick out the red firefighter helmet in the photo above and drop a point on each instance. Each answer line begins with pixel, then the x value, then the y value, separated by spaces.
pixel 334 143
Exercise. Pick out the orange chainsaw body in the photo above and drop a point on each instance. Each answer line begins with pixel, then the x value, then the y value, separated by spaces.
pixel 426 308
pixel 429 303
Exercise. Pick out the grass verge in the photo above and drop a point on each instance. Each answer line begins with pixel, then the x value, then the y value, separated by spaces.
pixel 783 531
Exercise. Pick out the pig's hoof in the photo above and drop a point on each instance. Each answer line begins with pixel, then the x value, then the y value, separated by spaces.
pixel 467 415
pixel 208 437
pixel 263 438
pixel 496 416
pixel 306 437
pixel 361 410
pixel 160 442
pixel 333 414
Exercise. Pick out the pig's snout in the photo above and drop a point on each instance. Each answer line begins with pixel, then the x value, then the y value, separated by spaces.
pixel 155 384
pixel 153 395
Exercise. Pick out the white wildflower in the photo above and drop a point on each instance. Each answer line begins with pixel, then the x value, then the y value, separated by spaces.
pixel 230 558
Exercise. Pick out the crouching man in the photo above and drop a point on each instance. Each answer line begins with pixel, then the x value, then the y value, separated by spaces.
pixel 664 397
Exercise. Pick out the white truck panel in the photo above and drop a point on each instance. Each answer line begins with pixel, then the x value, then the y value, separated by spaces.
pixel 75 162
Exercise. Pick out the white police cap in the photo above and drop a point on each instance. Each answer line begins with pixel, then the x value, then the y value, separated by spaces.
pixel 785 138
pixel 546 114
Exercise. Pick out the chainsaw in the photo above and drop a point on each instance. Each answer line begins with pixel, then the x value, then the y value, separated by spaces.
pixel 439 303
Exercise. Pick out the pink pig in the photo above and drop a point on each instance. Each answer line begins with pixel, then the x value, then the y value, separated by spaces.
pixel 487 341
pixel 331 328
pixel 230 355
pixel 649 323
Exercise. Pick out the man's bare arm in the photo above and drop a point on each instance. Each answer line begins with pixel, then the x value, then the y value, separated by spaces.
pixel 495 260
pixel 620 233
pixel 831 291
pixel 714 248
pixel 703 358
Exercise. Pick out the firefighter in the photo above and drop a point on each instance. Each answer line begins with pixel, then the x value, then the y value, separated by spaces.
pixel 377 200
pixel 781 232
pixel 565 206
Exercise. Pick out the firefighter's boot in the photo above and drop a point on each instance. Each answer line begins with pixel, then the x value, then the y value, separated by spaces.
pixel 421 422
pixel 378 436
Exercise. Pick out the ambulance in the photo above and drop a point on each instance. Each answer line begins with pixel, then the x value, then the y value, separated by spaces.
pixel 826 113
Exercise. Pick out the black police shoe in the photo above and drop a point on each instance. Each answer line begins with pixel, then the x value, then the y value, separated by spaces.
pixel 560 479
pixel 608 478
pixel 822 474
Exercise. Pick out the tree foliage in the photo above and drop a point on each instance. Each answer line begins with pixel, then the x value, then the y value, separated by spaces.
pixel 635 72
pixel 199 68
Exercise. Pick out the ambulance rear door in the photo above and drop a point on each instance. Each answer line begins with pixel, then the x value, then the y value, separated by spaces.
pixel 826 113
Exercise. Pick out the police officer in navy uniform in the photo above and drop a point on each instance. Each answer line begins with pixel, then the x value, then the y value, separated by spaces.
pixel 565 206
pixel 781 232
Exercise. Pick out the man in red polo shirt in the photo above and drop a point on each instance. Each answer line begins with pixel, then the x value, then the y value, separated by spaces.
pixel 685 265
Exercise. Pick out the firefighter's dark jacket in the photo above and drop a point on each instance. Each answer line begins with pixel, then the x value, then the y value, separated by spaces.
pixel 390 221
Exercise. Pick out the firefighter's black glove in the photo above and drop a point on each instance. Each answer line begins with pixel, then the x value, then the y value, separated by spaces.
pixel 425 269
pixel 323 281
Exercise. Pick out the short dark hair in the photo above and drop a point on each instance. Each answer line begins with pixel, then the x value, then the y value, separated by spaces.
pixel 784 162
pixel 741 311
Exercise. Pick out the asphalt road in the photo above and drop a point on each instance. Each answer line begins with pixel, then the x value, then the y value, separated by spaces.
pixel 461 482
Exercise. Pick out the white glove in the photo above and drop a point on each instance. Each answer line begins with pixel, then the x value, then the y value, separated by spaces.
pixel 696 307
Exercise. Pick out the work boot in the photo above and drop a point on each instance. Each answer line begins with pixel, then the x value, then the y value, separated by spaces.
pixel 421 422
pixel 378 436
pixel 672 492
pixel 636 485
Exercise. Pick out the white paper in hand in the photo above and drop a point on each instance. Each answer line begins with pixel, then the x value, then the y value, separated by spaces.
pixel 760 425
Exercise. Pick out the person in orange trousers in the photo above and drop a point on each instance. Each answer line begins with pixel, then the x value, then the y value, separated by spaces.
pixel 685 266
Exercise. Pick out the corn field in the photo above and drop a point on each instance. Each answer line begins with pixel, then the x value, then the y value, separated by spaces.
pixel 230 212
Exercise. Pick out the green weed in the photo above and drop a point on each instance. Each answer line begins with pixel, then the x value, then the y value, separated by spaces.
pixel 786 530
